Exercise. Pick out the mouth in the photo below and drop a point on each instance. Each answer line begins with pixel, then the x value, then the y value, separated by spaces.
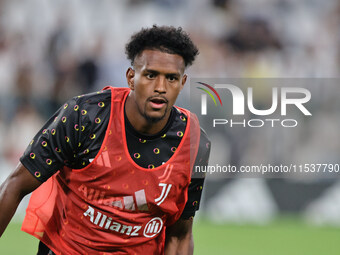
pixel 157 102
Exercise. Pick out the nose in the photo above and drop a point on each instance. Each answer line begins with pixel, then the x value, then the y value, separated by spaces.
pixel 160 85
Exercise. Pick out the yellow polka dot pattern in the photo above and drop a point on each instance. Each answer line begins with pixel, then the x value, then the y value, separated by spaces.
pixel 59 132
pixel 157 150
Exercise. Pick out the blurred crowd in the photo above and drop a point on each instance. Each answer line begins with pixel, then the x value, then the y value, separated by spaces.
pixel 53 50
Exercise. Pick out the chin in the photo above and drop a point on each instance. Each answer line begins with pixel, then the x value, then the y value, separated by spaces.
pixel 154 118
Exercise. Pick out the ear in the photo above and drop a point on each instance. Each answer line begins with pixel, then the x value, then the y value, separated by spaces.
pixel 130 77
pixel 184 79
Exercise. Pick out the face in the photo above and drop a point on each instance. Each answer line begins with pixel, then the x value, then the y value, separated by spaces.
pixel 155 82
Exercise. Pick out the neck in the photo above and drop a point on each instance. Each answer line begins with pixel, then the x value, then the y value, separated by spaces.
pixel 139 122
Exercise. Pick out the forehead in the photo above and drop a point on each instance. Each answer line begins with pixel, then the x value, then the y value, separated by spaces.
pixel 159 61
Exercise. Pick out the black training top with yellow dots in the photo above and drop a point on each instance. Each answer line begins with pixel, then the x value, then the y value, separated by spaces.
pixel 150 151
pixel 73 136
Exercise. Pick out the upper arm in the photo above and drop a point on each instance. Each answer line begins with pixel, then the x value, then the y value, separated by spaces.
pixel 197 178
pixel 71 137
pixel 21 182
pixel 54 144
pixel 179 238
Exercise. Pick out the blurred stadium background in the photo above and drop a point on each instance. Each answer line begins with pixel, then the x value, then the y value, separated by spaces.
pixel 53 50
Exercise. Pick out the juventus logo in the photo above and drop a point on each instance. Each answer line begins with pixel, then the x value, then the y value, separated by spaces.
pixel 165 191
pixel 133 202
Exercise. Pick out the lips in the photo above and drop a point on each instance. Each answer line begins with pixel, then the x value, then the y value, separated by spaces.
pixel 158 102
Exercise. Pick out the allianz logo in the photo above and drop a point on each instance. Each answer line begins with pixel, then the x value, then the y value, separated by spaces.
pixel 151 229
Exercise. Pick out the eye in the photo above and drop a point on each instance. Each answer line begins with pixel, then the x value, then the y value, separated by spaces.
pixel 150 75
pixel 172 78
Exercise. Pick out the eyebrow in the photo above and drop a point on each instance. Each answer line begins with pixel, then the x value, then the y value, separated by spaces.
pixel 157 72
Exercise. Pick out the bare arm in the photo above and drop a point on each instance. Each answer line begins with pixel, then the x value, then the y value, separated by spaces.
pixel 179 239
pixel 20 183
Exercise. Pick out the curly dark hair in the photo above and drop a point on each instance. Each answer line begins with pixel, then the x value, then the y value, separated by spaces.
pixel 163 38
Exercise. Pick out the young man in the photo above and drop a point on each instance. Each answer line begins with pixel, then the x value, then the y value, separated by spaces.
pixel 114 167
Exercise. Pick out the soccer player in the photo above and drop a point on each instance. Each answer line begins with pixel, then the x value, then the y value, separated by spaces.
pixel 112 171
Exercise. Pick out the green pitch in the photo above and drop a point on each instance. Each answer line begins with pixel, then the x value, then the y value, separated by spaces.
pixel 282 237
